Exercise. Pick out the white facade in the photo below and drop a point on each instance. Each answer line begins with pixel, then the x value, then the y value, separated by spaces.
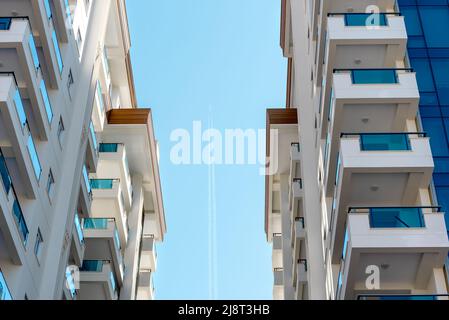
pixel 351 210
pixel 80 186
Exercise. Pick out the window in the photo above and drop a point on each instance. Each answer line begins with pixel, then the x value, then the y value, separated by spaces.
pixel 50 183
pixel 60 130
pixel 70 82
pixel 38 244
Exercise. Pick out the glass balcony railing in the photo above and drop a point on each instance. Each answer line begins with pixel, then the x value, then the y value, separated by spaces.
pixel 34 54
pixel 6 178
pixel 34 157
pixel 92 266
pixel 385 141
pixel 374 76
pixel 396 217
pixel 20 220
pixel 96 223
pixel 54 39
pixel 48 9
pixel 99 94
pixel 112 279
pixel 105 61
pixel 46 99
pixel 366 19
pixel 19 108
pixel 102 183
pixel 86 179
pixel 5 23
pixel 93 135
pixel 70 281
pixel 404 297
pixel 108 147
pixel 79 229
pixel 4 291
pixel 16 208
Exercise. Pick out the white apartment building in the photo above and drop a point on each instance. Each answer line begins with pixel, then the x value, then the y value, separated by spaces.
pixel 351 211
pixel 80 197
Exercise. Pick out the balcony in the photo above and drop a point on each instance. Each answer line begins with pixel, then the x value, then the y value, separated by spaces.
pixel 113 160
pixel 367 100
pixel 406 243
pixel 301 279
pixel 148 256
pixel 298 240
pixel 5 294
pixel 78 244
pixel 103 243
pixel 17 141
pixel 295 164
pixel 97 281
pixel 361 47
pixel 145 289
pixel 13 225
pixel 296 197
pixel 108 203
pixel 278 277
pixel 277 251
pixel 378 170
pixel 19 54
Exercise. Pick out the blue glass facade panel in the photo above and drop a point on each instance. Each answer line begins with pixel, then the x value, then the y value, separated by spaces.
pixel 427 24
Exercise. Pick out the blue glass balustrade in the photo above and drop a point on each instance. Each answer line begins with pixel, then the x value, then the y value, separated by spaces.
pixel 33 51
pixel 5 23
pixel 101 183
pixel 4 291
pixel 20 220
pixel 79 230
pixel 100 96
pixel 117 238
pixel 95 223
pixel 396 218
pixel 92 266
pixel 54 39
pixel 6 178
pixel 108 147
pixel 112 279
pixel 385 142
pixel 86 179
pixel 46 99
pixel 345 245
pixel 34 157
pixel 374 76
pixel 48 9
pixel 365 19
pixel 19 108
pixel 70 282
pixel 93 135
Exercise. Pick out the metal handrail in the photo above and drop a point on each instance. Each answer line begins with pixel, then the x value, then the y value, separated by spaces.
pixel 352 134
pixel 436 209
pixel 332 14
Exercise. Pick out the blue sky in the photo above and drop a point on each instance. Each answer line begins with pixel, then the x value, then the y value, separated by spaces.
pixel 193 58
